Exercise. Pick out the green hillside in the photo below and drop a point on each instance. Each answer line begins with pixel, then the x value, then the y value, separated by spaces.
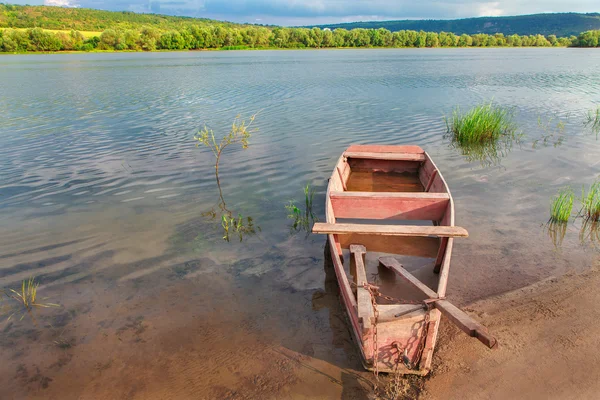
pixel 563 24
pixel 85 19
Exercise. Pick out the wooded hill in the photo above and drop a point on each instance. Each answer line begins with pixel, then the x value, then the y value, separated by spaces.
pixel 562 25
pixel 86 19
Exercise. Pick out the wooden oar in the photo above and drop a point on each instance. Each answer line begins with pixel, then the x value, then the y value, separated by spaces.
pixel 453 313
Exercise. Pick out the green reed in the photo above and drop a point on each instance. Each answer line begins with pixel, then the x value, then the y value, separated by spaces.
pixel 562 205
pixel 237 225
pixel 553 131
pixel 485 123
pixel 590 202
pixel 302 219
pixel 26 299
pixel 240 133
pixel 593 120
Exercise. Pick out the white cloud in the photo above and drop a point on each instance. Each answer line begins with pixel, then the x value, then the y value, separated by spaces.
pixel 490 10
pixel 61 3
pixel 313 12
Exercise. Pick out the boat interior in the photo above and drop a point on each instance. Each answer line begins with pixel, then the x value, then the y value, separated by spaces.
pixel 378 190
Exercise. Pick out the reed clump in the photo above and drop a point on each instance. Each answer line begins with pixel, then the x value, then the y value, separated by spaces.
pixel 302 218
pixel 562 205
pixel 26 299
pixel 553 131
pixel 590 202
pixel 593 120
pixel 485 123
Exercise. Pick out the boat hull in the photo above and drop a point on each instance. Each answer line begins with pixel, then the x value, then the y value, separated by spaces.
pixel 404 345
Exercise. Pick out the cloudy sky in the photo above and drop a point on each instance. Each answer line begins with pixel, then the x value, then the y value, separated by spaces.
pixel 308 12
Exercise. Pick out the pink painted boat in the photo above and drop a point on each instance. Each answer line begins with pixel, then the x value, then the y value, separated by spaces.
pixel 390 214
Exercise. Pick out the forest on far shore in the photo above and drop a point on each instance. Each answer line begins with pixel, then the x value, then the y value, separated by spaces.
pixel 50 29
pixel 220 37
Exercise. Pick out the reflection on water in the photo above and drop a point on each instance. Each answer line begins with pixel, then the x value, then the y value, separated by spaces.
pixel 590 233
pixel 102 193
pixel 486 153
pixel 556 231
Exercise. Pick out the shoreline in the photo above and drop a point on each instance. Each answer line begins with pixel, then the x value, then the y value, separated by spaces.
pixel 545 336
pixel 285 49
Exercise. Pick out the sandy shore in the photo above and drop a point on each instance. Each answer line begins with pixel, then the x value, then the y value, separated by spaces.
pixel 549 339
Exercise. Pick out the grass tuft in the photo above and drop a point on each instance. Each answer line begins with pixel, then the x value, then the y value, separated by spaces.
pixel 593 120
pixel 26 298
pixel 590 202
pixel 562 205
pixel 485 123
pixel 302 219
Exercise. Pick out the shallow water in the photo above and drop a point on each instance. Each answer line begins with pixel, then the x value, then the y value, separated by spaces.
pixel 102 195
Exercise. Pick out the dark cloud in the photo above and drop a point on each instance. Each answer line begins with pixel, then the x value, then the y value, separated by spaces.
pixel 292 12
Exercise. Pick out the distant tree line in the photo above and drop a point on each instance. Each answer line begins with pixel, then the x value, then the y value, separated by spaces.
pixel 240 37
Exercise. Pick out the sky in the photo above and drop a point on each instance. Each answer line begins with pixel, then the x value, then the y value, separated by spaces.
pixel 313 12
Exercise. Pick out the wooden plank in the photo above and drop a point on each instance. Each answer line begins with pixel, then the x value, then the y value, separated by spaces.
pixel 435 172
pixel 466 323
pixel 448 220
pixel 406 313
pixel 341 178
pixel 387 156
pixel 432 332
pixel 394 195
pixel 440 255
pixel 456 315
pixel 417 246
pixel 365 311
pixel 392 230
pixel 445 269
pixel 378 148
pixel 426 171
pixel 389 205
pixel 360 164
pixel 393 264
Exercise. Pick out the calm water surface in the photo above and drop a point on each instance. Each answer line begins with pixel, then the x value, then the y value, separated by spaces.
pixel 102 195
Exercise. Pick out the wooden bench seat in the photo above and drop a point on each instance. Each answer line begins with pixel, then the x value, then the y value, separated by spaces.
pixel 391 230
pixel 386 156
pixel 389 205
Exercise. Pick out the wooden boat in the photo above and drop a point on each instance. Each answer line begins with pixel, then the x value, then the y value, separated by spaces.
pixel 394 321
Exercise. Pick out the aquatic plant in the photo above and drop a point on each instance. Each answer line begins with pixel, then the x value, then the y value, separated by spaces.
pixel 593 120
pixel 484 123
pixel 562 205
pixel 26 299
pixel 553 133
pixel 590 202
pixel 302 219
pixel 239 133
pixel 238 225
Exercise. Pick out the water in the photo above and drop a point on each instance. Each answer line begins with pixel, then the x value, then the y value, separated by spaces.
pixel 102 195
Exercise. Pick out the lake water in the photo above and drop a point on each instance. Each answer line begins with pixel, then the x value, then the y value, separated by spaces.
pixel 103 194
